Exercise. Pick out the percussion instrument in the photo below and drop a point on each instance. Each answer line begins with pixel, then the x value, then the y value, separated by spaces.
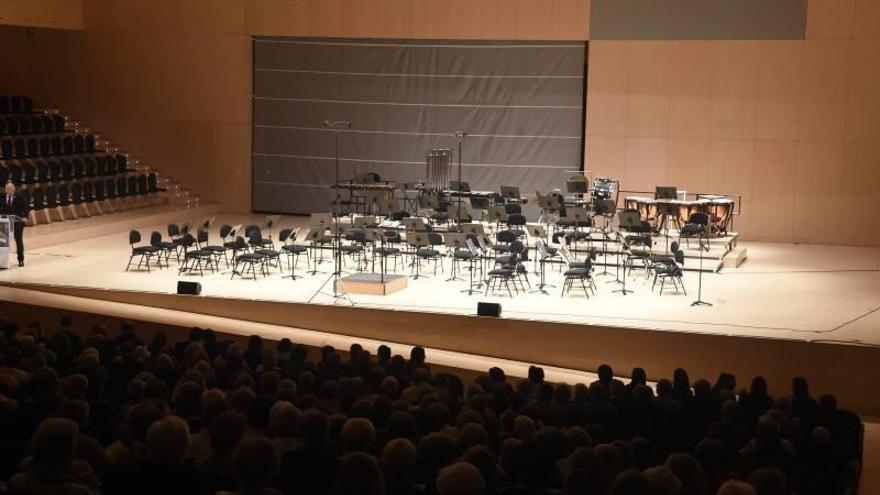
pixel 719 209
pixel 438 168
pixel 605 188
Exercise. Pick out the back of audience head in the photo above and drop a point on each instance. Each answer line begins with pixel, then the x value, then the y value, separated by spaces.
pixel 226 431
pixel 460 478
pixel 167 440
pixel 359 474
pixel 256 464
pixel 54 443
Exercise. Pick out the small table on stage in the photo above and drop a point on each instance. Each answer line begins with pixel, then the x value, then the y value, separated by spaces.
pixel 7 224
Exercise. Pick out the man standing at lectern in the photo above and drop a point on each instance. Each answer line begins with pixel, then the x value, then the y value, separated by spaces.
pixel 15 204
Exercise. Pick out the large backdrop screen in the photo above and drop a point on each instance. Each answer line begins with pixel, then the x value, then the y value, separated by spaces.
pixel 521 103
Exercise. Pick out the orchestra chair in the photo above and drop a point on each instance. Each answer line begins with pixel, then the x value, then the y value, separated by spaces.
pixel 195 259
pixel 694 228
pixel 217 250
pixel 504 274
pixel 165 247
pixel 287 239
pixel 243 260
pixel 672 269
pixel 143 253
pixel 269 254
pixel 581 274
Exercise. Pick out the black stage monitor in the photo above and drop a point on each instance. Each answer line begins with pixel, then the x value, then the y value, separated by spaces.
pixel 488 309
pixel 189 288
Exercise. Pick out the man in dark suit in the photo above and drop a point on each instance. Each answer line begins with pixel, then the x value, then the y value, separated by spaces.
pixel 14 203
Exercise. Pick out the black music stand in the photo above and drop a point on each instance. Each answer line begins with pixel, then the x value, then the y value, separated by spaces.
pixel 666 210
pixel 542 255
pixel 454 242
pixel 623 245
pixel 419 240
pixel 703 237
pixel 605 208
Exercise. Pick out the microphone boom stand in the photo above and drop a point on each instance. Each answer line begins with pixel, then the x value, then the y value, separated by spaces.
pixel 338 294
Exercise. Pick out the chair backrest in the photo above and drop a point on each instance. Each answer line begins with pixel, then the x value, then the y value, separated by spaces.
pixel 202 236
pixel 225 229
pixel 188 240
pixel 155 238
pixel 250 230
pixel 506 236
pixel 173 230
pixel 512 208
pixel 256 237
pixel 134 237
pixel 239 243
pixel 284 235
pixel 679 257
pixel 674 246
pixel 699 218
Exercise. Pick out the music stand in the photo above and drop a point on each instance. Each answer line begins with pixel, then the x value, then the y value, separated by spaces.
pixel 577 184
pixel 511 193
pixel 475 257
pixel 315 236
pixel 417 240
pixel 271 221
pixel 459 186
pixel 474 229
pixel 666 192
pixel 704 233
pixel 541 256
pixel 624 245
pixel 667 210
pixel 321 220
pixel 454 242
pixel 415 224
pixel 457 213
pixel 365 221
pixel 538 232
pixel 385 206
pixel 605 208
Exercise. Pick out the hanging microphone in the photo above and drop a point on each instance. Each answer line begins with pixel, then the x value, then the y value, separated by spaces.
pixel 339 124
pixel 461 134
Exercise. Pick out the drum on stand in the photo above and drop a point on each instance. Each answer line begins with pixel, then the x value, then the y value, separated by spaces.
pixel 720 211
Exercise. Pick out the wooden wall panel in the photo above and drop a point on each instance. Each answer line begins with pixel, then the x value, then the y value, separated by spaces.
pixel 734 100
pixel 730 172
pixel 817 183
pixel 830 19
pixel 779 90
pixel 691 91
pixel 866 20
pixel 650 74
pixel 607 88
pixel 824 91
pixel 687 164
pixel 571 19
pixel 773 178
pixel 860 182
pixel 55 14
pixel 863 96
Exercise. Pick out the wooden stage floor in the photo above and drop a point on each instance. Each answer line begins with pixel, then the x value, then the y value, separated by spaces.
pixel 783 291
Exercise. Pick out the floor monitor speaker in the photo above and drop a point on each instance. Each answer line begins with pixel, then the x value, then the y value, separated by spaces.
pixel 488 309
pixel 189 288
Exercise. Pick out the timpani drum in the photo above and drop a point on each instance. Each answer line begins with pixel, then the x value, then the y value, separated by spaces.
pixel 647 207
pixel 720 211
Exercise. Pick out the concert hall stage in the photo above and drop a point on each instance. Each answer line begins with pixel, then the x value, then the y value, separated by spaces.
pixel 789 310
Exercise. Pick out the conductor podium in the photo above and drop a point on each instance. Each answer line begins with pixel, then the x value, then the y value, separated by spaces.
pixel 7 223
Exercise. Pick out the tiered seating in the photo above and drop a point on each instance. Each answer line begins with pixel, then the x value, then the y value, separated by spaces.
pixel 65 173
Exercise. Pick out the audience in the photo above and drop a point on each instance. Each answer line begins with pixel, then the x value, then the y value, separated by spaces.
pixel 144 414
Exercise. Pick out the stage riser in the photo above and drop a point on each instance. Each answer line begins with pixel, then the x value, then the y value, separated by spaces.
pixel 845 370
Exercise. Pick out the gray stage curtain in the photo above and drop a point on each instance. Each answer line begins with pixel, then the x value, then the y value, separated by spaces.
pixel 520 102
